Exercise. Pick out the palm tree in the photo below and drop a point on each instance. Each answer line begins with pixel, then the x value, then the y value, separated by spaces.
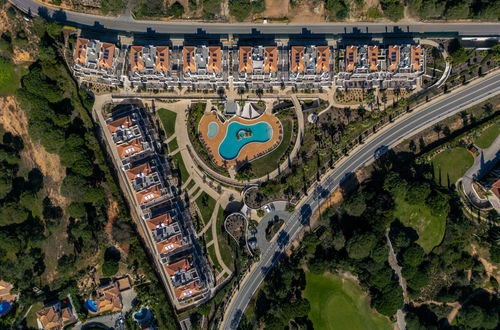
pixel 488 108
pixel 438 129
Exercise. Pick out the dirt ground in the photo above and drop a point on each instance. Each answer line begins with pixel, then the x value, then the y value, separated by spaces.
pixel 14 120
pixel 303 11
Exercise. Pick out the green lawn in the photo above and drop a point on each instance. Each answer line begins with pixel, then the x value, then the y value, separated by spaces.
pixel 172 145
pixel 206 205
pixel 270 162
pixel 488 136
pixel 208 235
pixel 213 257
pixel 430 228
pixel 167 117
pixel 8 77
pixel 226 251
pixel 340 304
pixel 451 164
pixel 190 185
pixel 31 316
pixel 179 164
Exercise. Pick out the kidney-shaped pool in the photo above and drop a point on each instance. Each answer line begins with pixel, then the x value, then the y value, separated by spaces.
pixel 239 135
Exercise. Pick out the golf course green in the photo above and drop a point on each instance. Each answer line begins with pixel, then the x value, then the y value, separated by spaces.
pixel 340 304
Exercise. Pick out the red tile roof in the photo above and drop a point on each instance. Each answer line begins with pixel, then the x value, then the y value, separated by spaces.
pixel 123 122
pixel 416 57
pixel 164 219
pixel 393 58
pixel 107 53
pixel 495 188
pixel 188 54
pixel 187 291
pixel 129 148
pixel 138 171
pixel 271 59
pixel 245 59
pixel 323 60
pixel 147 195
pixel 80 54
pixel 350 57
pixel 373 57
pixel 178 266
pixel 297 58
pixel 162 58
pixel 136 62
pixel 214 58
pixel 167 246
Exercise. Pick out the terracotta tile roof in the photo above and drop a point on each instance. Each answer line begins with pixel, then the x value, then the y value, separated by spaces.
pixel 148 195
pixel 495 188
pixel 167 246
pixel 136 61
pixel 66 315
pixel 416 57
pixel 107 53
pixel 80 54
pixel 373 57
pixel 245 59
pixel 5 288
pixel 129 148
pixel 323 60
pixel 271 59
pixel 164 219
pixel 162 58
pixel 393 58
pixel 124 122
pixel 109 299
pixel 214 58
pixel 350 57
pixel 182 265
pixel 139 171
pixel 123 283
pixel 297 58
pixel 49 318
pixel 188 54
pixel 187 291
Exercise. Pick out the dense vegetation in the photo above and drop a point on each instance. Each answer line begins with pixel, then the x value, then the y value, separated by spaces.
pixel 241 9
pixel 451 9
pixel 59 119
pixel 353 238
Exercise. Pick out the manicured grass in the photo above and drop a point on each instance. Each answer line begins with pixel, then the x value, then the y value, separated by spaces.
pixel 338 303
pixel 190 185
pixel 213 257
pixel 451 164
pixel 271 161
pixel 430 228
pixel 8 77
pixel 226 251
pixel 173 145
pixel 206 205
pixel 179 164
pixel 167 117
pixel 208 235
pixel 31 317
pixel 488 136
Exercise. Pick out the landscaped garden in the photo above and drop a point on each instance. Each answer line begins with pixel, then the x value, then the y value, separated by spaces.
pixel 206 205
pixel 167 118
pixel 179 165
pixel 340 303
pixel 451 164
pixel 487 136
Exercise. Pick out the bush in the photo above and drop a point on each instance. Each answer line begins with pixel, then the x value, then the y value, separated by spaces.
pixel 176 10
pixel 8 77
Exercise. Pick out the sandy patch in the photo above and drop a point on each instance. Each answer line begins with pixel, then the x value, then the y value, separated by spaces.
pixel 14 120
pixel 307 12
pixel 276 8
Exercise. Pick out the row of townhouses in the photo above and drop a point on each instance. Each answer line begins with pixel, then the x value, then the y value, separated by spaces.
pixel 210 67
pixel 156 201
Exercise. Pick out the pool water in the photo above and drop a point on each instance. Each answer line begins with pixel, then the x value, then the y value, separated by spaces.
pixel 235 138
pixel 213 129
pixel 91 306
pixel 4 307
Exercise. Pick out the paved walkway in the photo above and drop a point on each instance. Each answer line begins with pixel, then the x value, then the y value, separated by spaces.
pixel 483 164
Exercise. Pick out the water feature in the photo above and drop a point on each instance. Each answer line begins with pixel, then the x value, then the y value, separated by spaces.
pixel 4 307
pixel 143 316
pixel 239 135
pixel 213 129
pixel 91 306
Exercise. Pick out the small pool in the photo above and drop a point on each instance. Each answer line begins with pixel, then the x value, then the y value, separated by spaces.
pixel 4 307
pixel 239 135
pixel 213 129
pixel 143 316
pixel 91 306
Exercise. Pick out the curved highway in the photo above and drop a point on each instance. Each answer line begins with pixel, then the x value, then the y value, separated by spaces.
pixel 382 141
pixel 128 24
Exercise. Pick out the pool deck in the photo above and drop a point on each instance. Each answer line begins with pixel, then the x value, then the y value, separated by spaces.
pixel 250 151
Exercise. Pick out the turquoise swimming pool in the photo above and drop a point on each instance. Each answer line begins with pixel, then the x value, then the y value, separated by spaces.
pixel 239 135
pixel 213 129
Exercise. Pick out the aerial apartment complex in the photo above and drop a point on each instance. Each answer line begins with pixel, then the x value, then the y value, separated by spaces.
pixel 208 67
pixel 147 180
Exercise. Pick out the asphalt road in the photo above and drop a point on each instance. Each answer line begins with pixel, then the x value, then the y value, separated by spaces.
pixel 366 153
pixel 128 24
